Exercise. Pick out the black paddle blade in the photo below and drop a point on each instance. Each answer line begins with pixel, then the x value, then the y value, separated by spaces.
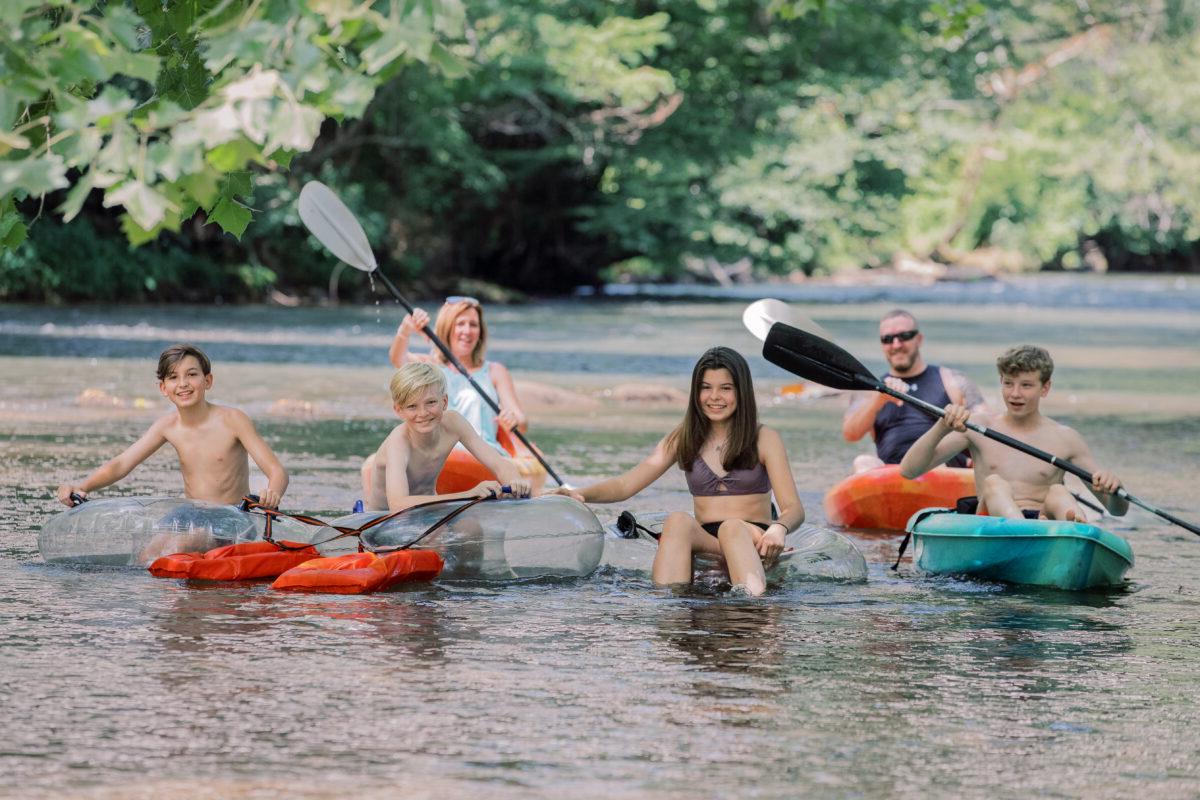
pixel 816 359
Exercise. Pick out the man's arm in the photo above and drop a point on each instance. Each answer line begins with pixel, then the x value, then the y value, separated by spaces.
pixel 264 457
pixel 859 418
pixel 963 391
pixel 119 466
pixel 944 439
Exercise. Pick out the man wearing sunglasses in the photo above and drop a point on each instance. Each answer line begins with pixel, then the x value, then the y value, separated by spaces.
pixel 894 424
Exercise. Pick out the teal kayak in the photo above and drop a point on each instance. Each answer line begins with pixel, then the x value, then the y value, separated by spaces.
pixel 1054 553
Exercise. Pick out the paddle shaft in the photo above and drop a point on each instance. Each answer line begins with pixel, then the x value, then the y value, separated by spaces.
pixel 428 331
pixel 1028 449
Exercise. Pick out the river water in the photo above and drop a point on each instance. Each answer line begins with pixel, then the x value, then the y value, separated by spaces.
pixel 115 684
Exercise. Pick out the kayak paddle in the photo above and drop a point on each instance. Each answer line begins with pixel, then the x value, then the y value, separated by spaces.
pixel 336 227
pixel 810 356
pixel 760 315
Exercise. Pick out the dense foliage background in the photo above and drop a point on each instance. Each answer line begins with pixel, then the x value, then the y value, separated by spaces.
pixel 544 144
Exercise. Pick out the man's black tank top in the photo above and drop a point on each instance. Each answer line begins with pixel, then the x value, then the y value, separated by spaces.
pixel 897 427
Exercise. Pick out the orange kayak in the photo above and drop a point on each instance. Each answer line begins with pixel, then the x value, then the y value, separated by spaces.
pixel 462 471
pixel 881 498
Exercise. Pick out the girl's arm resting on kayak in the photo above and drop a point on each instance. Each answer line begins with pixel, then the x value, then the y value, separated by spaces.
pixel 773 455
pixel 626 485
pixel 119 466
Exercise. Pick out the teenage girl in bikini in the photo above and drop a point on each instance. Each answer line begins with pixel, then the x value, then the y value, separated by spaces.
pixel 732 465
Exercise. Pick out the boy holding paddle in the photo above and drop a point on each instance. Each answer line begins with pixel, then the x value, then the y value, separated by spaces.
pixel 403 471
pixel 1010 483
pixel 214 443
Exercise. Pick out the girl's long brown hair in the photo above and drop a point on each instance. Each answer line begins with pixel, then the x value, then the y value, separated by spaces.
pixel 689 437
pixel 444 325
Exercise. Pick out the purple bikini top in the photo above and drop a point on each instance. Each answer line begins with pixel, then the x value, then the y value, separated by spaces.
pixel 703 482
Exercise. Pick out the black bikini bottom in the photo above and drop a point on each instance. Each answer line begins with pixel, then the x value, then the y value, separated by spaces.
pixel 711 528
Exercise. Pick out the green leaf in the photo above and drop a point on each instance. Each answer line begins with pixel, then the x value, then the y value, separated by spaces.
pixel 12 227
pixel 137 236
pixel 203 187
pixel 450 65
pixel 293 126
pixel 112 102
pixel 231 215
pixel 396 40
pixel 32 176
pixel 77 196
pixel 136 65
pixel 79 58
pixel 352 95
pixel 123 24
pixel 234 155
pixel 147 207
pixel 247 45
pixel 238 184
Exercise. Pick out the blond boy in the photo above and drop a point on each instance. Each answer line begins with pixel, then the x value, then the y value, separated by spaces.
pixel 214 443
pixel 403 471
pixel 1011 483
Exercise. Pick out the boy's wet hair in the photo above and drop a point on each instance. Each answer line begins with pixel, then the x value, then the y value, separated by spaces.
pixel 1026 358
pixel 178 352
pixel 413 378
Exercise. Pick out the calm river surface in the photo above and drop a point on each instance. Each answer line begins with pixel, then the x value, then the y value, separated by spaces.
pixel 116 684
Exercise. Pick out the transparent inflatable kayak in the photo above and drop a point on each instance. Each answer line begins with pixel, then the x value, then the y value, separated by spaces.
pixel 134 531
pixel 812 553
pixel 503 540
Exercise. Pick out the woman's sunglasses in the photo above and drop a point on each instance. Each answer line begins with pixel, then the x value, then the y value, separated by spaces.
pixel 459 298
pixel 904 336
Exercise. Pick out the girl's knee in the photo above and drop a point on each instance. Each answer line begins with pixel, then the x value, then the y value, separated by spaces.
pixel 732 530
pixel 677 526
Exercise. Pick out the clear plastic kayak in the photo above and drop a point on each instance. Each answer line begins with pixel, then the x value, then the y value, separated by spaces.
pixel 500 540
pixel 134 531
pixel 812 553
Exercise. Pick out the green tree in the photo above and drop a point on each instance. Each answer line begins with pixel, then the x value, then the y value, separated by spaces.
pixel 165 108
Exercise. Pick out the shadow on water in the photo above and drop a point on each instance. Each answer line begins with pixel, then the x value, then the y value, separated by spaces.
pixel 732 634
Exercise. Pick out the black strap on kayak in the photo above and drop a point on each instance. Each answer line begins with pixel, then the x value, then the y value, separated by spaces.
pixel 628 526
pixel 908 533
pixel 435 526
pixel 250 504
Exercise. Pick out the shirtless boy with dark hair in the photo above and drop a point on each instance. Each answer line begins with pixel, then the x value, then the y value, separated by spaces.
pixel 214 443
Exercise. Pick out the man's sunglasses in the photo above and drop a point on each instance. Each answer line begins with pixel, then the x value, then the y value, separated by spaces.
pixel 904 336
pixel 459 298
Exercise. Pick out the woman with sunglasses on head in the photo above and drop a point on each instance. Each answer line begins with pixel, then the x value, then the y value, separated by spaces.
pixel 732 464
pixel 461 326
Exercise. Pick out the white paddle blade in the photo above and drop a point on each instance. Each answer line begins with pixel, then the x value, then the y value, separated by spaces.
pixel 760 315
pixel 335 226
